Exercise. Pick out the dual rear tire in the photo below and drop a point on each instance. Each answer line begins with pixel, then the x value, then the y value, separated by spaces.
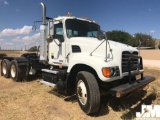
pixel 6 68
pixel 11 69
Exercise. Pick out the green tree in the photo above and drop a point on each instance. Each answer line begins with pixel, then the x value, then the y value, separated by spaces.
pixel 34 48
pixel 146 40
pixel 121 36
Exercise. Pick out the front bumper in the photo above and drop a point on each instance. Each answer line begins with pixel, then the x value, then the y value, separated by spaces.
pixel 127 88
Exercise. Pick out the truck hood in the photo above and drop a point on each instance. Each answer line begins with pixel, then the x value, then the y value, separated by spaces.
pixel 87 45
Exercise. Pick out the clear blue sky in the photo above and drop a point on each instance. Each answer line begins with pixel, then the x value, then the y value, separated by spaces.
pixel 17 16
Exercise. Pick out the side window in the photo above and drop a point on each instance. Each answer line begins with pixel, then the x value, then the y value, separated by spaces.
pixel 58 32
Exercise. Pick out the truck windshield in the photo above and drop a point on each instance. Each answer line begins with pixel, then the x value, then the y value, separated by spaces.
pixel 78 28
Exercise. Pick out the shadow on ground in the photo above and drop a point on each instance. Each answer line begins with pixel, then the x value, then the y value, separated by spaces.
pixel 137 108
pixel 33 77
pixel 128 106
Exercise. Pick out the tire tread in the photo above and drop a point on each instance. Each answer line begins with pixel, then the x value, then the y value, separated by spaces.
pixel 19 75
pixel 94 92
pixel 8 63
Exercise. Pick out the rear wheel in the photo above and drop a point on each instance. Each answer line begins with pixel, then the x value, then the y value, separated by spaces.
pixel 6 68
pixel 15 71
pixel 87 91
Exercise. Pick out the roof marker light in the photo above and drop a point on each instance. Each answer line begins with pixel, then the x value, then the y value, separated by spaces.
pixel 91 19
pixel 69 14
pixel 83 17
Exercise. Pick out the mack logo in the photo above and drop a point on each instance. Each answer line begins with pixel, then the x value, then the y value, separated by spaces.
pixel 149 112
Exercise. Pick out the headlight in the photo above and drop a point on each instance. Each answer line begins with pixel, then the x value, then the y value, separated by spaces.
pixel 111 71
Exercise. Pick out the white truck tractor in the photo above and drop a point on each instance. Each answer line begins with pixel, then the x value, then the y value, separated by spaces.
pixel 76 58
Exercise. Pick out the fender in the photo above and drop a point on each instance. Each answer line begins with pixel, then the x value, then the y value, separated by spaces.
pixel 96 62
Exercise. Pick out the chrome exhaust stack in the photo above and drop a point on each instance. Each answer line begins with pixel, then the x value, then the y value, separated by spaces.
pixel 43 14
pixel 43 41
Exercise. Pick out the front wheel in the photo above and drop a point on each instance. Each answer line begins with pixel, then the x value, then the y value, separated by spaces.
pixel 87 92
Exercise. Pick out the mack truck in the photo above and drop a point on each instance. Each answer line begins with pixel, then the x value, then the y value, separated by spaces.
pixel 77 58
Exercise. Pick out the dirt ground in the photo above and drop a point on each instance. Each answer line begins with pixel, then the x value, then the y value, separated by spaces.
pixel 31 100
pixel 150 54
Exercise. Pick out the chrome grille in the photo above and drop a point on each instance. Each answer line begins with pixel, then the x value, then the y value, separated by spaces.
pixel 125 57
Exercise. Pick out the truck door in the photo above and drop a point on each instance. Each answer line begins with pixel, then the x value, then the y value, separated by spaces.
pixel 57 46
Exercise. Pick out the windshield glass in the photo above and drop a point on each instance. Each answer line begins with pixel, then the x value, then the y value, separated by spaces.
pixel 78 28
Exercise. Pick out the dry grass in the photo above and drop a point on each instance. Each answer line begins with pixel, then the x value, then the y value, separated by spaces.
pixel 31 100
pixel 13 53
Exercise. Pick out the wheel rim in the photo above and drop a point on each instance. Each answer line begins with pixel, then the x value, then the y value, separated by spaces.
pixel 4 68
pixel 82 92
pixel 13 71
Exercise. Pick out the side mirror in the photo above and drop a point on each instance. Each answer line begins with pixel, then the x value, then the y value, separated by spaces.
pixel 49 38
pixel 59 37
pixel 61 40
pixel 50 30
pixel 101 35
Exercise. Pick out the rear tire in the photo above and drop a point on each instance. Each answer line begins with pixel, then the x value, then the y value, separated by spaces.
pixel 87 92
pixel 15 71
pixel 6 68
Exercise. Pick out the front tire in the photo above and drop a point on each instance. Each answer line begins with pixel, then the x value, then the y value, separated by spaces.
pixel 15 71
pixel 6 68
pixel 87 92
